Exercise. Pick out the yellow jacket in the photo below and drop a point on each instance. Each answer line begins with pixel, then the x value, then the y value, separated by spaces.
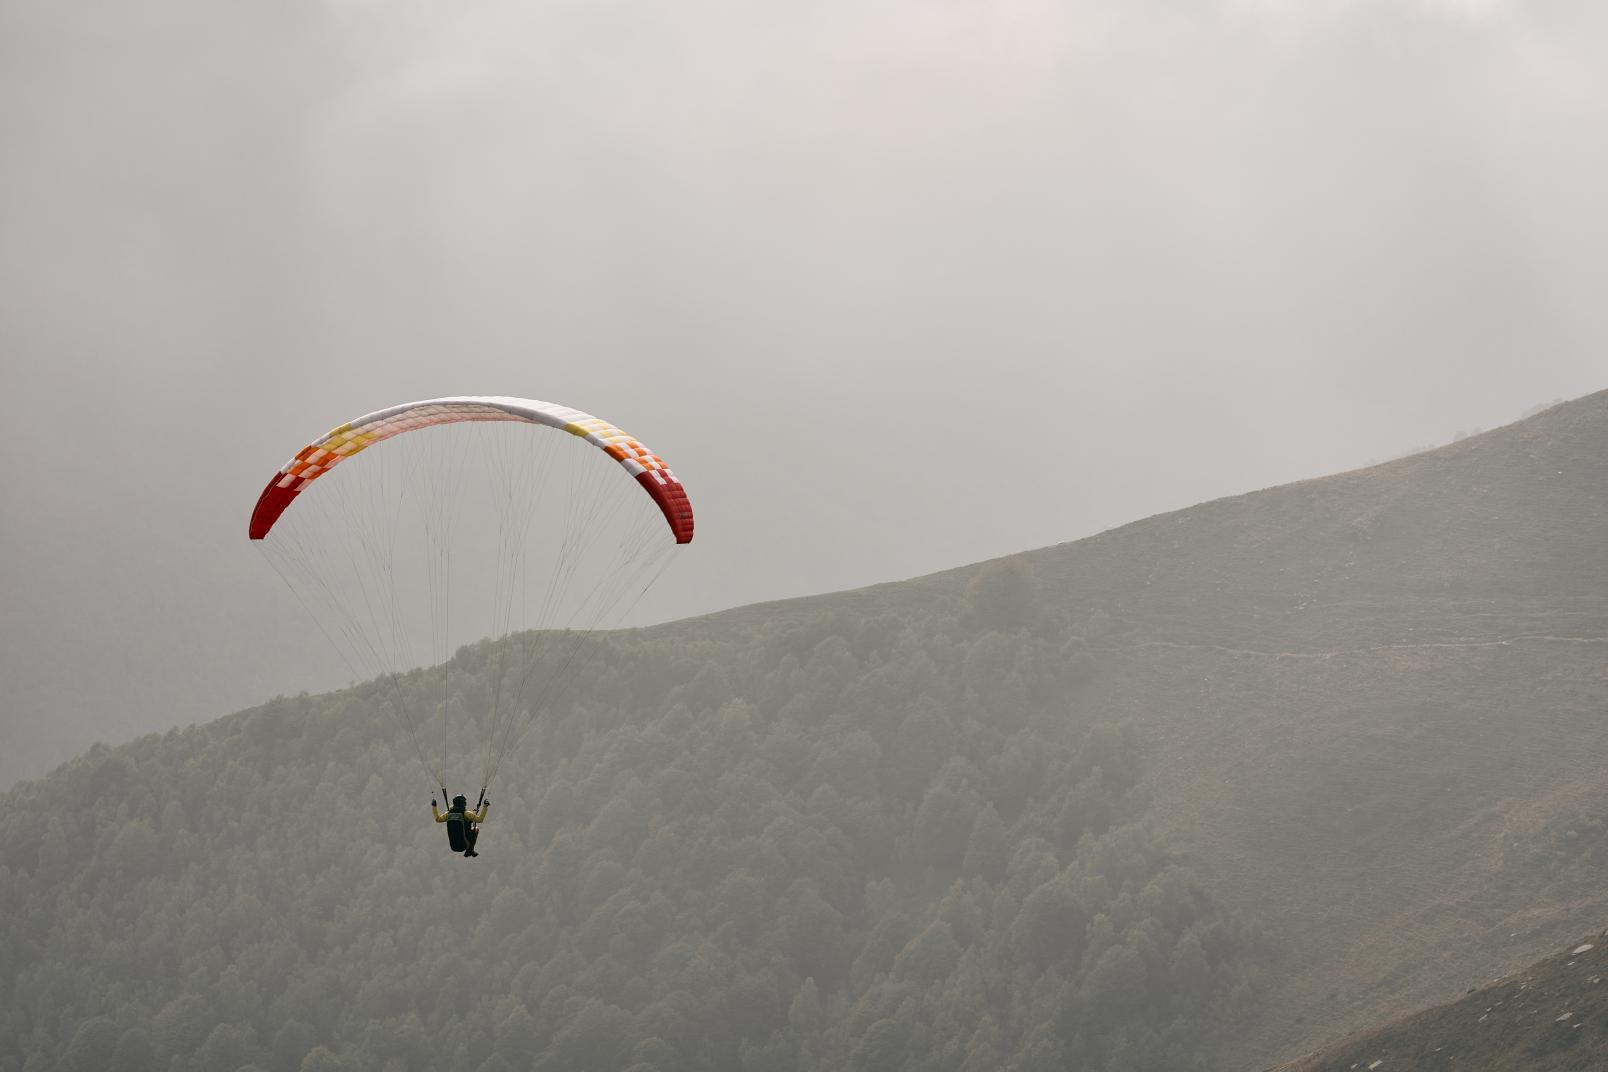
pixel 468 816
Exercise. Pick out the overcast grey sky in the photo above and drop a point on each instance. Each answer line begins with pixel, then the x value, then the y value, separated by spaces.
pixel 894 285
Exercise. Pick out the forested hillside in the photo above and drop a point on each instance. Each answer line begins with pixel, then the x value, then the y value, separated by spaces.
pixel 840 842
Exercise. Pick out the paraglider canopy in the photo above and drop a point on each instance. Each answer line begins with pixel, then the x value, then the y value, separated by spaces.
pixel 322 455
pixel 474 519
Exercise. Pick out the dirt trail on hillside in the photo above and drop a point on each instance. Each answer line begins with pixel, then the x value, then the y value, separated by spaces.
pixel 1372 648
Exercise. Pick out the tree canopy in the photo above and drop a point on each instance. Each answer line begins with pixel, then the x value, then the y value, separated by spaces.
pixel 840 842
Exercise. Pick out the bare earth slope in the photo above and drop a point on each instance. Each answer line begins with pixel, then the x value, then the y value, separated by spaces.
pixel 1551 1017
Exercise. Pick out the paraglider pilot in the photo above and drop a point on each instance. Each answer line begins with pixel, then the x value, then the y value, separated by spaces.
pixel 462 824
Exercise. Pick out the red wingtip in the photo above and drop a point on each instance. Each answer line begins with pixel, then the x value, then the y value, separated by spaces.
pixel 270 504
pixel 673 503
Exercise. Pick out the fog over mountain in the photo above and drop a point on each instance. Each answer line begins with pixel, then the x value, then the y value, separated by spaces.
pixel 895 286
pixel 1206 791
